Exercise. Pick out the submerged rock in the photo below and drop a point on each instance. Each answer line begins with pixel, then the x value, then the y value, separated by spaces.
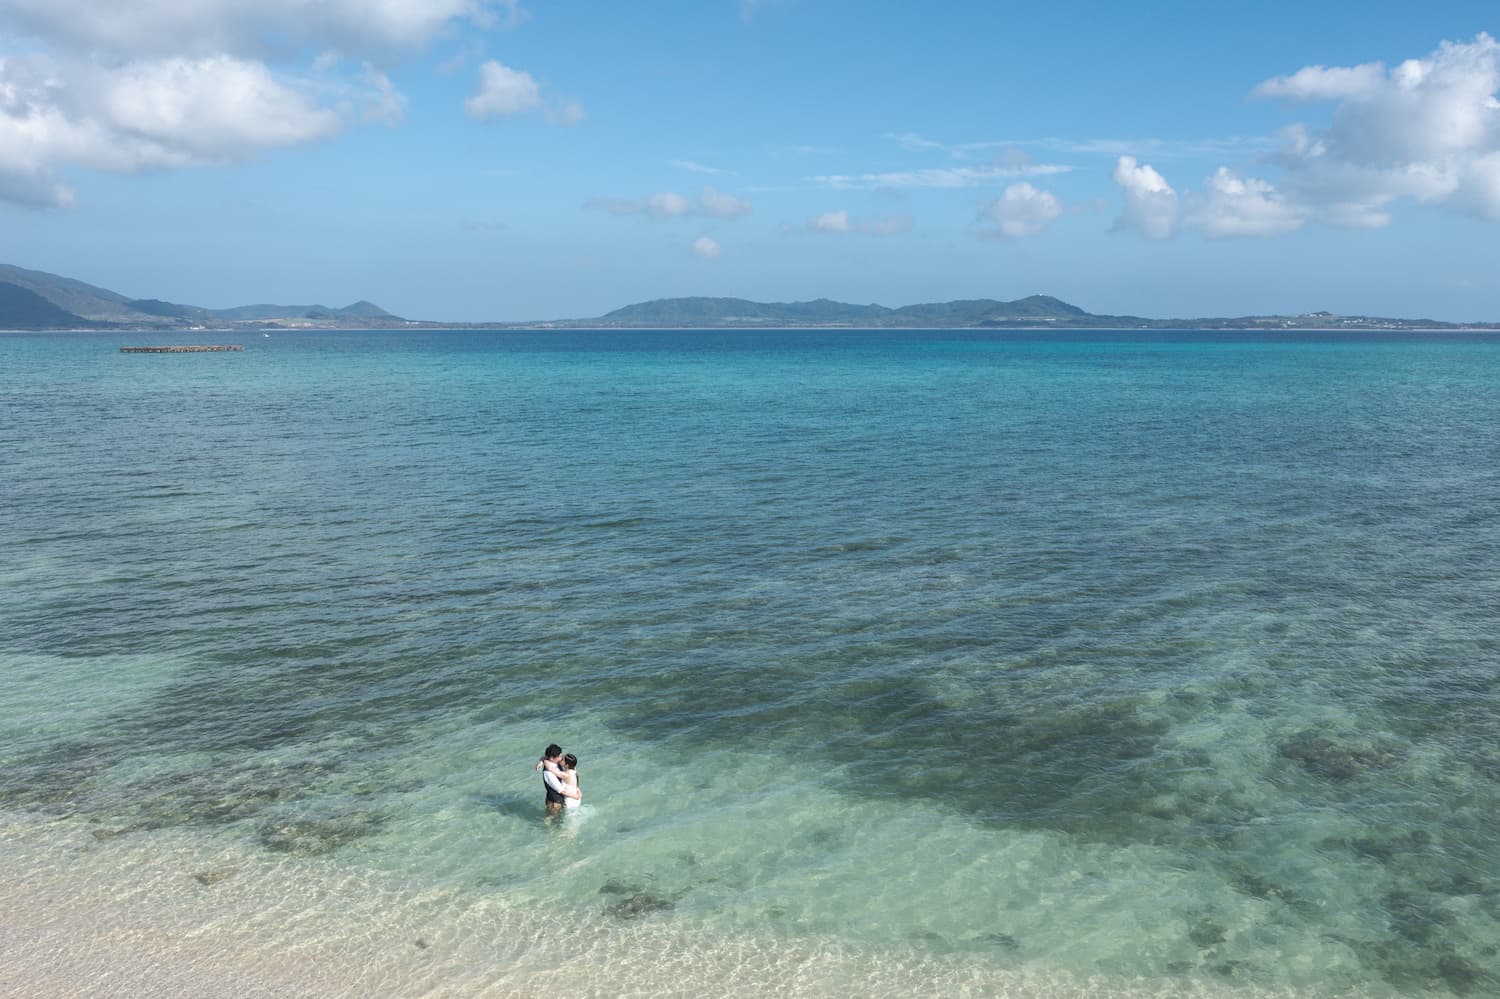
pixel 210 878
pixel 642 903
pixel 1339 759
pixel 1206 934
pixel 635 900
pixel 311 836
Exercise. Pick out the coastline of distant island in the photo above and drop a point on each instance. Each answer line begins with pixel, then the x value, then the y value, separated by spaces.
pixel 37 301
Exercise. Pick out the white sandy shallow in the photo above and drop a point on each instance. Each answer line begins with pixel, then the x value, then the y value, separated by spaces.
pixel 163 914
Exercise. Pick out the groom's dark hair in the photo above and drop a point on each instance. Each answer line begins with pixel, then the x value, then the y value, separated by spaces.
pixel 553 752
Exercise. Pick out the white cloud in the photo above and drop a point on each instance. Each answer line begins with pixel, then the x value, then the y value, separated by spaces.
pixel 503 92
pixel 939 177
pixel 381 102
pixel 671 205
pixel 1427 129
pixel 914 143
pixel 694 167
pixel 830 222
pixel 1228 206
pixel 721 205
pixel 1481 185
pixel 148 114
pixel 1151 206
pixel 1022 210
pixel 213 109
pixel 1319 83
pixel 1236 206
pixel 147 28
pixel 668 204
pixel 169 83
pixel 706 248
pixel 839 222
pixel 33 187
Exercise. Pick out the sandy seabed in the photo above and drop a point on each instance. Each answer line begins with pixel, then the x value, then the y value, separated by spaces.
pixel 87 913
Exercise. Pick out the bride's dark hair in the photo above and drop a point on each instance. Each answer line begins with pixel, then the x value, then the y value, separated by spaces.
pixel 571 761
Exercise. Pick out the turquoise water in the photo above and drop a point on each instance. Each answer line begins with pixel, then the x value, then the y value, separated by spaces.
pixel 1104 662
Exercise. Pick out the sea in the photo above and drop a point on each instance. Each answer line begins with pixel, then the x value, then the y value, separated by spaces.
pixel 897 663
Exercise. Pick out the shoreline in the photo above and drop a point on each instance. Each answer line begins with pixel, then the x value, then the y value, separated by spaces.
pixel 164 914
pixel 525 328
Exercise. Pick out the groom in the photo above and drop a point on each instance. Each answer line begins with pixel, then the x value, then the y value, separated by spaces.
pixel 549 765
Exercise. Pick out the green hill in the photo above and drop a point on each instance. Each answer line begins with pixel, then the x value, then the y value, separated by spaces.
pixel 77 303
pixel 822 311
pixel 739 311
pixel 245 313
pixel 168 310
pixel 364 310
pixel 23 309
pixel 71 296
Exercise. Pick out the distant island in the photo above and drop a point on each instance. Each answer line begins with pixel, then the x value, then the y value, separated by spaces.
pixel 36 300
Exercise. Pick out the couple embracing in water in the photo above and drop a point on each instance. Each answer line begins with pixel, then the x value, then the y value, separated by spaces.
pixel 560 778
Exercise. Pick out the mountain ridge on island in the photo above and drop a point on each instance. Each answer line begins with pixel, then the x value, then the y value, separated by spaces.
pixel 74 304
pixel 36 300
pixel 823 311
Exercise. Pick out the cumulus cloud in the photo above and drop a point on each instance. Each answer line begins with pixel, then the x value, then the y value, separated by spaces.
pixel 839 222
pixel 166 83
pixel 503 92
pixel 721 205
pixel 706 248
pixel 1427 129
pixel 1319 83
pixel 155 28
pixel 1228 206
pixel 1151 206
pixel 148 114
pixel 670 205
pixel 1022 211
pixel 1236 206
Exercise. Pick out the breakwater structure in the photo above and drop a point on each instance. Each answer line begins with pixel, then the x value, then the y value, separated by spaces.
pixel 200 348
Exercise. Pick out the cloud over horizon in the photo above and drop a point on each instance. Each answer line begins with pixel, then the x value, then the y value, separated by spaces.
pixel 839 222
pixel 160 85
pixel 249 28
pixel 143 115
pixel 1021 211
pixel 711 203
pixel 939 177
pixel 1427 130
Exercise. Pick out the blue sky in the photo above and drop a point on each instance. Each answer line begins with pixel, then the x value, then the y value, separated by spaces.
pixel 523 159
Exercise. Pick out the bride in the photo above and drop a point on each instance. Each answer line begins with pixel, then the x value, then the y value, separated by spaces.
pixel 569 775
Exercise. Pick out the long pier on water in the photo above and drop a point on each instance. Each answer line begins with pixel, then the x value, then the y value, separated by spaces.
pixel 199 348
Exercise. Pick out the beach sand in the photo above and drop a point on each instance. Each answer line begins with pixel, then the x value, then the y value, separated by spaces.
pixel 160 914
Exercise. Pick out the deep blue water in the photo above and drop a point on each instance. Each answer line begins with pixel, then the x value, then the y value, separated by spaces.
pixel 1216 614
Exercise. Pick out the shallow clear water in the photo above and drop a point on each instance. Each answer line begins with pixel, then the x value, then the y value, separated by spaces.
pixel 1102 662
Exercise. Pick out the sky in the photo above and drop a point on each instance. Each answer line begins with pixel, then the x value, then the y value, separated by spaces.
pixel 473 160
